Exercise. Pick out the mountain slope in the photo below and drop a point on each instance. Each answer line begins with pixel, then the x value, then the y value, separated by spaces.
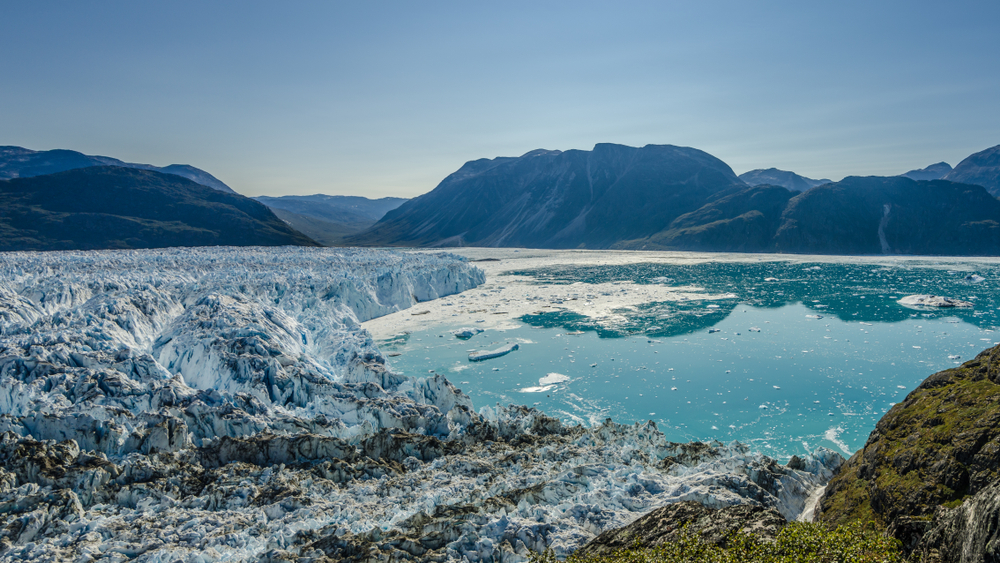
pixel 932 172
pixel 783 178
pixel 877 215
pixel 981 169
pixel 742 222
pixel 19 162
pixel 115 207
pixel 554 199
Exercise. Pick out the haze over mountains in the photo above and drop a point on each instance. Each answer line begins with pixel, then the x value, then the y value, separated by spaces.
pixel 329 218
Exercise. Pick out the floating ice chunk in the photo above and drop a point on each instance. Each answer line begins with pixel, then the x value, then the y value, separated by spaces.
pixel 931 301
pixel 713 330
pixel 974 278
pixel 575 333
pixel 814 316
pixel 553 378
pixel 954 357
pixel 770 279
pixel 466 333
pixel 539 389
pixel 490 354
pixel 754 329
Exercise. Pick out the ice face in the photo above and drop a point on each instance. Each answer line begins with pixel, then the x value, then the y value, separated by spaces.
pixel 206 404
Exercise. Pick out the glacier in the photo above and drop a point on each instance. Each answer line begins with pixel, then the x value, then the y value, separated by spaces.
pixel 226 404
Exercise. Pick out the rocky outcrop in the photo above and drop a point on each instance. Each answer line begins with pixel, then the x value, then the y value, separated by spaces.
pixel 929 471
pixel 669 523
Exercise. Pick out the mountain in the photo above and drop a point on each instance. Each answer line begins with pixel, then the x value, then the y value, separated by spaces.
pixel 19 162
pixel 871 215
pixel 932 172
pixel 556 199
pixel 981 169
pixel 329 218
pixel 114 207
pixel 878 215
pixel 783 178
pixel 742 222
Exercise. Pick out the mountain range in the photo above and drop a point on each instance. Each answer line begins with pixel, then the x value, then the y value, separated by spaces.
pixel 662 197
pixel 100 207
pixel 19 162
pixel 657 197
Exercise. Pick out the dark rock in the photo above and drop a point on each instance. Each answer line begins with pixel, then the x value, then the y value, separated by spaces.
pixel 969 533
pixel 667 524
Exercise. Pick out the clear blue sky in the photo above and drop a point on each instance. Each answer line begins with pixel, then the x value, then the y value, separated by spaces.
pixel 379 98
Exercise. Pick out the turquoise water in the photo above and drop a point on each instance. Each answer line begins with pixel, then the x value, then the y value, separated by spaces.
pixel 814 358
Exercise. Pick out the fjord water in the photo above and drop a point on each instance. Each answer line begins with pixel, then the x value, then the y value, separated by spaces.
pixel 785 358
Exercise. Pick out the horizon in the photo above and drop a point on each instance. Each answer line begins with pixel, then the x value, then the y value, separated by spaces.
pixel 386 100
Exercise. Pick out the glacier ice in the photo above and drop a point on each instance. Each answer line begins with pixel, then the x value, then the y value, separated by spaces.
pixel 226 404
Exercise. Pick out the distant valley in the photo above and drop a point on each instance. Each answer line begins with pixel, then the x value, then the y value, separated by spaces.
pixel 328 219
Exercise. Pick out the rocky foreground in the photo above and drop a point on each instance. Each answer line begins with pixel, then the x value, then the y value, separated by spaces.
pixel 930 471
pixel 225 404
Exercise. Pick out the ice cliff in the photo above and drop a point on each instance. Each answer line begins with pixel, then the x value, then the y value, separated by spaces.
pixel 226 404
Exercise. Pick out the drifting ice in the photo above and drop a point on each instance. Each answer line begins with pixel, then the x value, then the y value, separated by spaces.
pixel 481 355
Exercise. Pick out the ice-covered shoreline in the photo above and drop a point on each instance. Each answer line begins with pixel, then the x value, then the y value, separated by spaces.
pixel 227 404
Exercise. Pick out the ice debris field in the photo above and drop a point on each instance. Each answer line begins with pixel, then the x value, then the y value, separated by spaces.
pixel 227 405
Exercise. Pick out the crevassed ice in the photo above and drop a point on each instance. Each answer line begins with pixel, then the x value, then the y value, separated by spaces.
pixel 226 404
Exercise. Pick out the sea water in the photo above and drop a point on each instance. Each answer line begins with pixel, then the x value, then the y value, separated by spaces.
pixel 791 357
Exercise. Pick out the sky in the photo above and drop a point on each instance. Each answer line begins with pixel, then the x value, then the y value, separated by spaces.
pixel 387 98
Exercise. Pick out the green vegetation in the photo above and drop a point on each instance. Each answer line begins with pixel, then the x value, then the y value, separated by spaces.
pixel 936 448
pixel 796 543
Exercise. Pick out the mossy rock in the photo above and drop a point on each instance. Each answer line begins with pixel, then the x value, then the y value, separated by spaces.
pixel 937 447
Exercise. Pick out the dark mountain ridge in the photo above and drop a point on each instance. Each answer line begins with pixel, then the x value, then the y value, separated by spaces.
pixel 558 199
pixel 100 207
pixel 19 162
pixel 662 197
